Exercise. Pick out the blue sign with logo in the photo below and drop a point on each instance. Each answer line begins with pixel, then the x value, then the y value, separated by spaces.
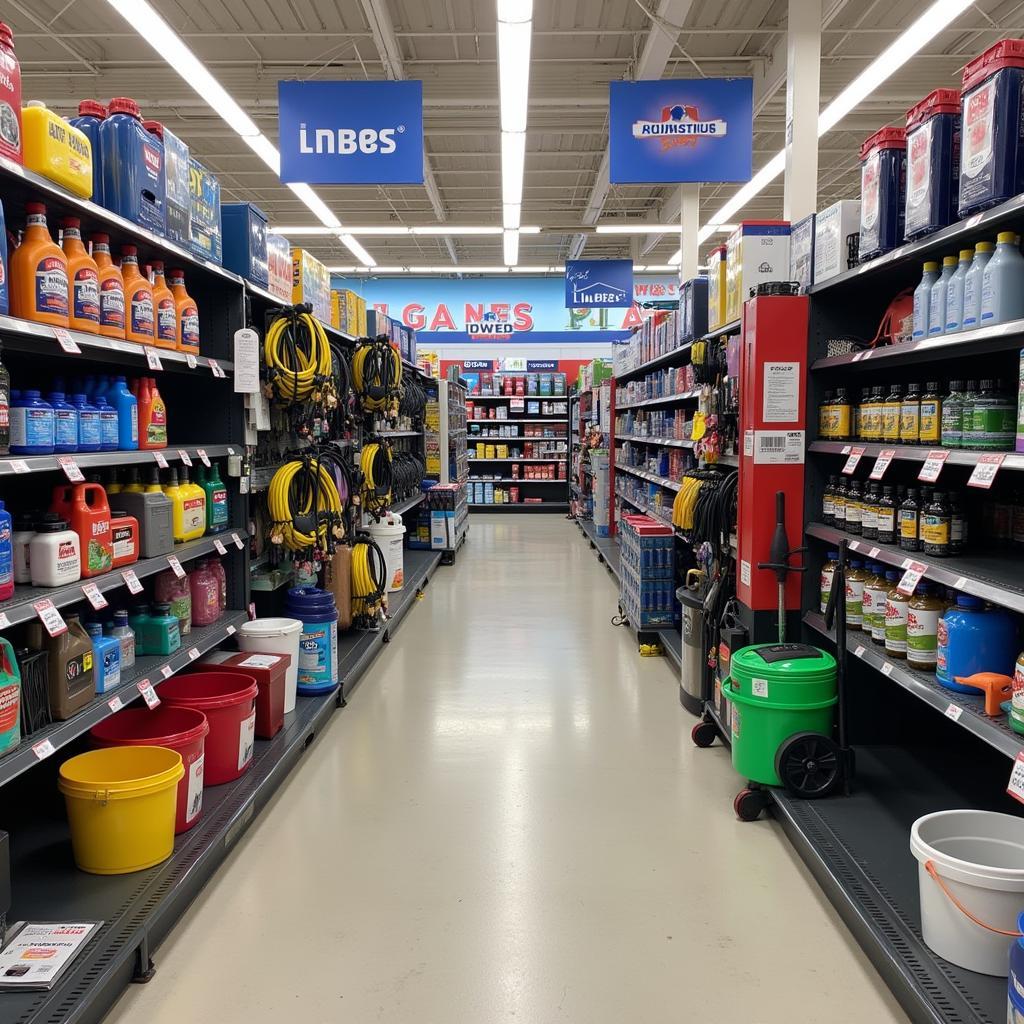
pixel 597 284
pixel 541 365
pixel 682 129
pixel 478 364
pixel 351 133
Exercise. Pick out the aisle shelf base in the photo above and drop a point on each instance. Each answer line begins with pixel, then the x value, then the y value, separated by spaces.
pixel 607 548
pixel 93 460
pixel 522 506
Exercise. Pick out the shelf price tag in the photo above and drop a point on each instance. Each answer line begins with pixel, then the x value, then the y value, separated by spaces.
pixel 66 341
pixel 51 619
pixel 954 711
pixel 145 687
pixel 70 467
pixel 230 631
pixel 4 621
pixel 193 653
pixel 153 359
pixel 855 455
pixel 184 456
pixel 96 599
pixel 19 466
pixel 238 541
pixel 216 368
pixel 933 466
pixel 166 671
pixel 911 577
pixel 161 459
pixel 887 669
pixel 859 651
pixel 176 568
pixel 1016 785
pixel 984 472
pixel 43 749
pixel 219 545
pixel 201 452
pixel 885 456
pixel 115 704
pixel 191 360
pixel 134 586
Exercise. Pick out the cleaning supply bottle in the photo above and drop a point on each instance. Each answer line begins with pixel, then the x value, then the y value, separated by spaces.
pixel 108 425
pixel 955 293
pixel 21 538
pixel 65 423
pixel 1002 282
pixel 216 500
pixel 188 513
pixel 194 502
pixel 127 407
pixel 89 515
pixel 6 554
pixel 152 415
pixel 176 593
pixel 138 293
pixel 922 299
pixel 90 116
pixel 205 590
pixel 972 285
pixel 137 618
pixel 937 300
pixel 187 313
pixel 31 424
pixel 10 698
pixel 84 278
pixel 69 675
pixel 161 633
pixel 125 636
pixel 106 653
pixel 133 166
pixel 112 305
pixel 5 405
pixel 54 553
pixel 10 98
pixel 89 435
pixel 165 309
pixel 39 273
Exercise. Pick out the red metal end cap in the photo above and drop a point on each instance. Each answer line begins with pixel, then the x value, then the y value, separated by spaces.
pixel 91 108
pixel 123 105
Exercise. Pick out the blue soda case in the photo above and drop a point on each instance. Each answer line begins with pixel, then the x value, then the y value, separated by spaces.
pixel 177 191
pixel 244 227
pixel 933 163
pixel 883 178
pixel 205 238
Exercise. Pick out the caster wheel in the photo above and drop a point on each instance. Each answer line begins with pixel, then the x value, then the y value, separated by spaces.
pixel 703 734
pixel 749 804
pixel 809 765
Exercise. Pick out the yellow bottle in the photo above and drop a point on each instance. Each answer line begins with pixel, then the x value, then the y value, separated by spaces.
pixel 187 521
pixel 56 150
pixel 195 500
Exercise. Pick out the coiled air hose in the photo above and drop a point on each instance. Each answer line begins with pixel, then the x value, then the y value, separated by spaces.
pixel 377 375
pixel 378 476
pixel 298 359
pixel 305 506
pixel 369 580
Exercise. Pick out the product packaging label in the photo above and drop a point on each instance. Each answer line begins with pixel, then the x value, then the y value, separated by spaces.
pixel 922 636
pixel 51 291
pixel 142 311
pixel 112 304
pixel 87 294
pixel 195 789
pixel 190 327
pixel 869 202
pixel 246 740
pixel 978 132
pixel 166 320
pixel 31 428
pixel 895 625
pixel 919 167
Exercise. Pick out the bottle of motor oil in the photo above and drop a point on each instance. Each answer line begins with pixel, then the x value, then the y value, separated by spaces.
pixel 923 612
pixel 828 572
pixel 909 521
pixel 897 606
pixel 165 309
pixel 933 162
pixel 869 512
pixel 84 278
pixel 972 285
pixel 39 272
pixel 112 304
pixel 882 191
pixel 140 323
pixel 216 499
pixel 187 313
pixel 873 600
pixel 133 166
pixel 930 420
pixel 955 293
pixel 65 423
pixel 922 299
pixel 152 415
pixel 885 515
pixel 828 512
pixel 10 98
pixel 937 302
pixel 891 410
pixel 5 407
pixel 70 678
pixel 910 415
pixel 91 115
pixel 106 654
pixel 935 527
pixel 855 580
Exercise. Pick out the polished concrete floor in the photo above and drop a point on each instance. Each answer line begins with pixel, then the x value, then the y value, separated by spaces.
pixel 509 822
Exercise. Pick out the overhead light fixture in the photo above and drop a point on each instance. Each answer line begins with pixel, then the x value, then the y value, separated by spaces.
pixel 637 228
pixel 446 229
pixel 510 248
pixel 356 249
pixel 265 150
pixel 515 28
pixel 513 158
pixel 521 269
pixel 300 230
pixel 726 229
pixel 384 229
pixel 510 214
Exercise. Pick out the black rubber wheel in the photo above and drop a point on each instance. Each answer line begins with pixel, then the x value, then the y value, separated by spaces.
pixel 749 804
pixel 810 765
pixel 703 734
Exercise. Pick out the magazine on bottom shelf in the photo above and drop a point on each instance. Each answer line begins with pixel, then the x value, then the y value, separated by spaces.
pixel 37 953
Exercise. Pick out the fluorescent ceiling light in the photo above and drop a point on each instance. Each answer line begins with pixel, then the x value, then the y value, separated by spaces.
pixel 513 157
pixel 514 73
pixel 726 229
pixel 515 27
pixel 356 249
pixel 316 204
pixel 384 229
pixel 515 10
pixel 314 229
pixel 537 269
pixel 456 268
pixel 444 229
pixel 510 248
pixel 637 228
pixel 510 214
pixel 531 229
pixel 265 150
pixel 655 268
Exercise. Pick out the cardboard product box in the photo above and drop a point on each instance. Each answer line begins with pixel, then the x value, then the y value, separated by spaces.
pixel 692 321
pixel 757 251
pixel 716 288
pixel 442 530
pixel 177 188
pixel 832 227
pixel 205 239
pixel 311 283
pixel 339 314
pixel 351 301
pixel 279 267
pixel 361 316
pixel 245 241
pixel 801 252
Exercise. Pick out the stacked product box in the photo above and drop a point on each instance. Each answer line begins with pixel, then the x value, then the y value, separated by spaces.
pixel 279 267
pixel 757 251
pixel 205 238
pixel 693 309
pixel 646 571
pixel 716 288
pixel 348 312
pixel 311 283
pixel 602 494
pixel 658 335
pixel 835 231
pixel 591 374
pixel 441 503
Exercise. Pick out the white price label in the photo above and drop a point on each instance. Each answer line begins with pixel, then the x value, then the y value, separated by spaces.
pixel 115 704
pixel 216 368
pixel 153 359
pixel 231 451
pixel 161 459
pixel 985 470
pixel 911 578
pixel 166 671
pixel 1016 785
pixel 4 621
pixel 19 466
pixel 230 631
pixel 148 693
pixel 933 466
pixel 855 455
pixel 66 341
pixel 43 749
pixel 219 545
pixel 201 452
pixel 954 711
pixel 134 586
pixel 845 450
pixel 193 653
pixel 51 619
pixel 176 567
pixel 70 467
pixel 885 456
pixel 961 582
pixel 745 572
pixel 873 553
pixel 191 360
pixel 887 669
pixel 238 541
pixel 96 599
pixel 858 651
pixel 184 456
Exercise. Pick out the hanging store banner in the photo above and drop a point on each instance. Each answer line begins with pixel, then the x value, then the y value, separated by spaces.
pixel 681 130
pixel 602 284
pixel 351 133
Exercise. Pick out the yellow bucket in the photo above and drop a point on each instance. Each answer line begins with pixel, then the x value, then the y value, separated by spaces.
pixel 120 803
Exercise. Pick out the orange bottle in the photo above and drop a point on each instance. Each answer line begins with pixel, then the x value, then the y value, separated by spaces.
pixel 138 295
pixel 111 289
pixel 84 276
pixel 39 273
pixel 188 313
pixel 165 309
pixel 152 415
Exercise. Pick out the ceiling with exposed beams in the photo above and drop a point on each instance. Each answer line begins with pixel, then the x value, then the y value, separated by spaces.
pixel 75 49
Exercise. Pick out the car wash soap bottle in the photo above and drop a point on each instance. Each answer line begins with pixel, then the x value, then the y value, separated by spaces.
pixel 39 273
pixel 216 498
pixel 127 406
pixel 152 415
pixel 84 278
pixel 1002 283
pixel 165 309
pixel 138 293
pixel 187 313
pixel 112 320
pixel 972 285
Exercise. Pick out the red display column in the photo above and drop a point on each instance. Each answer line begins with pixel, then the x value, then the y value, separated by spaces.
pixel 773 377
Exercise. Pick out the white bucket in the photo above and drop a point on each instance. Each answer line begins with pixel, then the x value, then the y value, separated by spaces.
pixel 979 856
pixel 388 534
pixel 275 636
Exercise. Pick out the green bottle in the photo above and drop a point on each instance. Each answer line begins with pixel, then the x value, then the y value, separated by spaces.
pixel 216 498
pixel 161 631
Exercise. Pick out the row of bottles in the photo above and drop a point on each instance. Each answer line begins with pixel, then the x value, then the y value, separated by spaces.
pixel 967 414
pixel 200 506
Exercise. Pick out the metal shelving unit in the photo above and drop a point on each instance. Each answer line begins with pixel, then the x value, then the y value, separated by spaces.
pixel 682 396
pixel 915 453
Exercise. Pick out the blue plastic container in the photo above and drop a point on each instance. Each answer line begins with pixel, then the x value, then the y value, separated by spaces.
pixel 90 116
pixel 106 653
pixel 318 643
pixel 133 167
pixel 205 238
pixel 933 163
pixel 992 108
pixel 177 196
pixel 975 639
pixel 31 424
pixel 883 178
pixel 127 407
pixel 65 424
pixel 244 228
pixel 1015 981
pixel 5 296
pixel 108 425
pixel 6 554
pixel 89 432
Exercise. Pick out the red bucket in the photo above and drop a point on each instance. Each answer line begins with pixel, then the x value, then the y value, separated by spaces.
pixel 228 701
pixel 181 729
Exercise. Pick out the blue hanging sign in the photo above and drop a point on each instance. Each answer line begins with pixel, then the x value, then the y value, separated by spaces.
pixel 682 129
pixel 598 283
pixel 351 133
pixel 478 364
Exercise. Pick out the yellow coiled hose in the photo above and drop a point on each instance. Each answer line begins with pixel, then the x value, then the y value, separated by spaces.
pixel 685 503
pixel 303 489
pixel 377 375
pixel 375 463
pixel 298 355
pixel 368 580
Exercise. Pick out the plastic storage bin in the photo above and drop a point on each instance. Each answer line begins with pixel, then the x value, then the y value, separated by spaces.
pixel 275 636
pixel 244 228
pixel 933 163
pixel 883 173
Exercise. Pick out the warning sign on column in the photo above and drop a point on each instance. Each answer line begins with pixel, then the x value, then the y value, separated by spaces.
pixel 784 447
pixel 781 393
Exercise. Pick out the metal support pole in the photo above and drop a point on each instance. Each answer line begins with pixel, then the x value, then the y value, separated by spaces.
pixel 689 225
pixel 803 65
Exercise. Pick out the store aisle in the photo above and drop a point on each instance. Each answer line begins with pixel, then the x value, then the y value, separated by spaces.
pixel 509 822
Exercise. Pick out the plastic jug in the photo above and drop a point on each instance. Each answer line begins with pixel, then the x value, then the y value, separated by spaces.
pixel 127 406
pixel 112 320
pixel 1002 282
pixel 108 425
pixel 955 293
pixel 39 272
pixel 31 424
pixel 188 512
pixel 140 320
pixel 125 636
pixel 137 618
pixel 133 166
pixel 160 633
pixel 89 435
pixel 972 285
pixel 973 639
pixel 124 538
pixel 177 595
pixel 187 313
pixel 106 654
pixel 5 294
pixel 933 162
pixel 216 498
pixel 55 149
pixel 10 97
pixel 882 191
pixel 24 531
pixel 152 415
pixel 165 309
pixel 65 423
pixel 90 116
pixel 937 299
pixel 152 510
pixel 84 278
pixel 70 684
pixel 194 498
pixel 85 508
pixel 6 558
pixel 54 554
pixel 10 697
pixel 205 589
